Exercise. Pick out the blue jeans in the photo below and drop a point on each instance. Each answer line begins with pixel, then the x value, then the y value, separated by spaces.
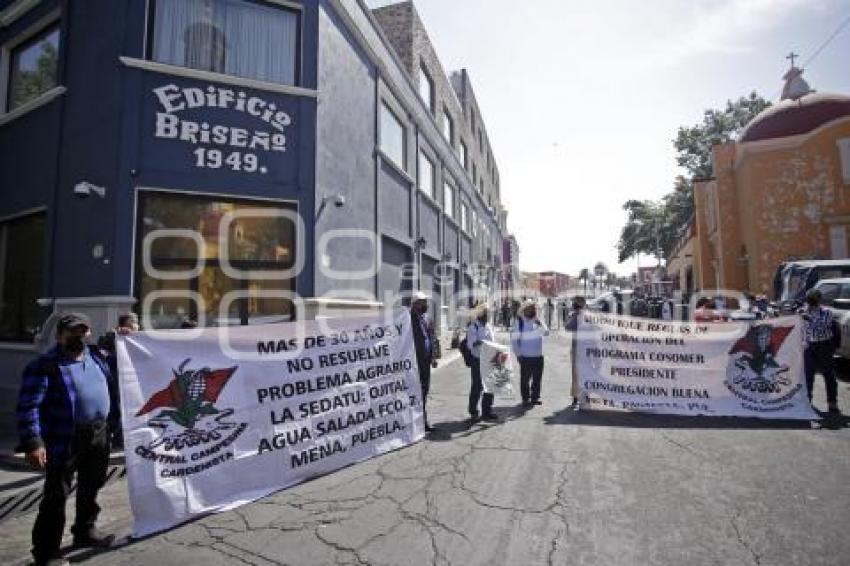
pixel 476 393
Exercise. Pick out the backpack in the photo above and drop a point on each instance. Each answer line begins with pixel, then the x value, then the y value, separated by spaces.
pixel 468 358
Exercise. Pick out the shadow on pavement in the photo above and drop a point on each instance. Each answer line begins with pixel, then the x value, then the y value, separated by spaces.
pixel 75 555
pixel 645 420
pixel 30 480
pixel 447 430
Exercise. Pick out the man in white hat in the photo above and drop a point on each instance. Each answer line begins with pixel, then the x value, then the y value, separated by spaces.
pixel 527 343
pixel 479 331
pixel 424 341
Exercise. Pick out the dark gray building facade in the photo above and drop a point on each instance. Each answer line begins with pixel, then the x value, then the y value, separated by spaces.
pixel 233 162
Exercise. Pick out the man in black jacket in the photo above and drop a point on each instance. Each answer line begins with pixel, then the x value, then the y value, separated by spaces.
pixel 424 342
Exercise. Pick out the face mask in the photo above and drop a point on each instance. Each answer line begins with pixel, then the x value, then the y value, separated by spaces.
pixel 74 344
pixel 532 313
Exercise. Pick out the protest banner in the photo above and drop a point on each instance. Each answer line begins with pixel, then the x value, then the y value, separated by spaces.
pixel 496 369
pixel 234 414
pixel 688 368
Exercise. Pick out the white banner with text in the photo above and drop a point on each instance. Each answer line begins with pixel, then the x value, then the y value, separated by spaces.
pixel 215 418
pixel 688 368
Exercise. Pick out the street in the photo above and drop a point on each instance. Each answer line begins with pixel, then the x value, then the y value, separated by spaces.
pixel 547 486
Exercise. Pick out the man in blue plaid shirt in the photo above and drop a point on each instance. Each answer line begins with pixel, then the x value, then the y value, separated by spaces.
pixel 66 400
pixel 821 333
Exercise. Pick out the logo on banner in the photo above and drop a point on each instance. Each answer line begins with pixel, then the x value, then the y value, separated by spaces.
pixel 189 419
pixel 755 375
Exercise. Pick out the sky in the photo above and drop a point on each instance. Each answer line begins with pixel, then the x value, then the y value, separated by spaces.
pixel 582 99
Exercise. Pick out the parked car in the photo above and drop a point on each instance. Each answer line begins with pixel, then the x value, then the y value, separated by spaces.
pixel 619 302
pixel 793 280
pixel 836 297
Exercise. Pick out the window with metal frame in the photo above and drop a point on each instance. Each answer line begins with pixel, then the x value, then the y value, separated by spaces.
pixel 393 137
pixel 449 199
pixel 23 250
pixel 244 38
pixel 33 67
pixel 448 126
pixel 426 174
pixel 426 87
pixel 254 243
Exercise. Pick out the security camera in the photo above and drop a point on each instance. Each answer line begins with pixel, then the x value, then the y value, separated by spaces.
pixel 84 189
pixel 339 201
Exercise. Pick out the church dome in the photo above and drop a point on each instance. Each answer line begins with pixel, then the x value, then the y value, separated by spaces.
pixel 800 111
pixel 795 117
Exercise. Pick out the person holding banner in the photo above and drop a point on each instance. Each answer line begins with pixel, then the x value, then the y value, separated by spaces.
pixel 527 343
pixel 424 343
pixel 479 332
pixel 821 336
pixel 64 406
pixel 572 326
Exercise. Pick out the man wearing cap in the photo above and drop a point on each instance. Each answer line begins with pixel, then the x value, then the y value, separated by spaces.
pixel 423 342
pixel 820 330
pixel 63 412
pixel 527 343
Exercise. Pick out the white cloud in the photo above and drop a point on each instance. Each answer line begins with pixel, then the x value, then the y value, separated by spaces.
pixel 727 27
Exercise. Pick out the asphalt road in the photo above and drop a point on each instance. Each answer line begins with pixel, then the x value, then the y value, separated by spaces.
pixel 547 486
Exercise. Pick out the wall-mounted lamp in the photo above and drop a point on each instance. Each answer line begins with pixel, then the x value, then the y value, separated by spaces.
pixel 337 199
pixel 420 243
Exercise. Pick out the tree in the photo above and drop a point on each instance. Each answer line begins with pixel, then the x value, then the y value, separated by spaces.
pixel 679 203
pixel 584 275
pixel 646 230
pixel 600 269
pixel 655 227
pixel 693 144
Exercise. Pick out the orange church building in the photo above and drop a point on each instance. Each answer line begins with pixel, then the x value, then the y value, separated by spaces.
pixel 781 191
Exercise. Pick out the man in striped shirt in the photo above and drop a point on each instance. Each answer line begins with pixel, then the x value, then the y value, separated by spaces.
pixel 820 330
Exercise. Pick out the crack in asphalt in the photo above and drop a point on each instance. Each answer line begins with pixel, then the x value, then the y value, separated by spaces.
pixel 742 542
pixel 453 469
pixel 684 447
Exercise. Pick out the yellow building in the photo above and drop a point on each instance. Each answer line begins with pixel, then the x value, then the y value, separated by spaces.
pixel 779 192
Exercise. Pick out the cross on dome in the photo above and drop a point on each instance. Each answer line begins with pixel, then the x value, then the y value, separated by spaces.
pixel 796 86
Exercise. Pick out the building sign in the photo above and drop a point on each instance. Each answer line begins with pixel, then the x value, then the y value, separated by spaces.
pixel 223 135
pixel 214 144
pixel 220 420
pixel 687 368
